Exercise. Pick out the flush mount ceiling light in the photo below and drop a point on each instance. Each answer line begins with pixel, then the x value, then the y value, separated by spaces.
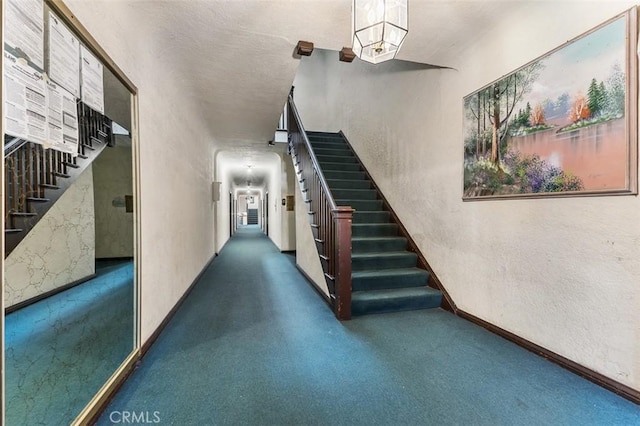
pixel 379 28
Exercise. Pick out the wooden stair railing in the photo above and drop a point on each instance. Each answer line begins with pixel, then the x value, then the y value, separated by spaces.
pixel 36 177
pixel 331 224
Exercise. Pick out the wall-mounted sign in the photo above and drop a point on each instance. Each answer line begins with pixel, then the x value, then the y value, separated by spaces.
pixel 24 28
pixel 25 100
pixel 64 56
pixel 91 80
pixel 62 119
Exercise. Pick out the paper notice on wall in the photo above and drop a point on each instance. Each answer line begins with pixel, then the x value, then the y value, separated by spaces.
pixel 25 100
pixel 62 119
pixel 64 56
pixel 24 28
pixel 91 80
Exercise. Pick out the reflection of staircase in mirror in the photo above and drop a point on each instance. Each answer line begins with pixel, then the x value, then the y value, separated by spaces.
pixel 252 216
pixel 36 177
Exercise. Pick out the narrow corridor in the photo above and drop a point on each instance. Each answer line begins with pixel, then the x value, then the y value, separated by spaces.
pixel 253 344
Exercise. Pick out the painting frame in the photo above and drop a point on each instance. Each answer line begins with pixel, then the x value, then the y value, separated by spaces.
pixel 487 176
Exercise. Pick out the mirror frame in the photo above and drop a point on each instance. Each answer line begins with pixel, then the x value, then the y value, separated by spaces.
pixel 96 405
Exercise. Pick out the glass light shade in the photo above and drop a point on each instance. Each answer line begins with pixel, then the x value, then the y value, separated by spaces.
pixel 379 28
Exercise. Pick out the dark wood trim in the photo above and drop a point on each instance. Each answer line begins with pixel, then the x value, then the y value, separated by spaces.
pixel 593 376
pixel 304 48
pixel 346 55
pixel 447 302
pixel 288 251
pixel 146 346
pixel 123 258
pixel 318 290
pixel 98 410
pixel 151 340
pixel 49 293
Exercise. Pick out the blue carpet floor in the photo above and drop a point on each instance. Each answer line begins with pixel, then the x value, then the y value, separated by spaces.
pixel 253 344
pixel 61 350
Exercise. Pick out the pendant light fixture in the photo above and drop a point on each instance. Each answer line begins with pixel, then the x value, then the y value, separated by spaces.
pixel 379 28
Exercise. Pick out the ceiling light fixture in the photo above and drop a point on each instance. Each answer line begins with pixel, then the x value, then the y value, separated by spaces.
pixel 379 29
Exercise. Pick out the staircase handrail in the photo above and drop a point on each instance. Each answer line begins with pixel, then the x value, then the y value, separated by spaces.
pixel 316 165
pixel 331 223
pixel 13 145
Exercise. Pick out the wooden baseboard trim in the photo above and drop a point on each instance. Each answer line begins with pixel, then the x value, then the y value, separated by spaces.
pixel 315 286
pixel 434 282
pixel 151 340
pixel 49 293
pixel 123 258
pixel 593 376
pixel 94 409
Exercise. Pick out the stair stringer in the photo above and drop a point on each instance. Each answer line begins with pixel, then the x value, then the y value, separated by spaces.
pixel 422 263
pixel 52 194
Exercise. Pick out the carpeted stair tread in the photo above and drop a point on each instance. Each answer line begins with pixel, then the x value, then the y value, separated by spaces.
pixel 348 183
pixel 383 260
pixel 374 229
pixel 380 279
pixel 379 216
pixel 337 144
pixel 340 152
pixel 345 167
pixel 354 194
pixel 376 244
pixel 336 159
pixel 343 174
pixel 368 205
pixel 394 300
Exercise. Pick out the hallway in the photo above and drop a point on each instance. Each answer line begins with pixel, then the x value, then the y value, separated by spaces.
pixel 254 344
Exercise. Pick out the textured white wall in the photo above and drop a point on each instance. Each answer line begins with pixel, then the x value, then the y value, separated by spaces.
pixel 306 252
pixel 562 273
pixel 176 211
pixel 113 178
pixel 288 218
pixel 58 250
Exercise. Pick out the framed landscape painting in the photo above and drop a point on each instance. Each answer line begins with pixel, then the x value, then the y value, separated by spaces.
pixel 564 124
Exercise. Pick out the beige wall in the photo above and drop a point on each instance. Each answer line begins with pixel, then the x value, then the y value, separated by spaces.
pixel 113 179
pixel 306 252
pixel 562 273
pixel 58 250
pixel 176 210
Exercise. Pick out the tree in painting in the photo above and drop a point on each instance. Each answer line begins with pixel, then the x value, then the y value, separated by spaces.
pixel 492 107
pixel 544 126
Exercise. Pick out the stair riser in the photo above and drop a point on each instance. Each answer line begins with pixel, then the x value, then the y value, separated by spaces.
pixel 354 194
pixel 340 167
pixel 371 217
pixel 377 307
pixel 378 245
pixel 378 230
pixel 384 282
pixel 341 174
pixel 348 184
pixel 324 138
pixel 333 151
pixel 407 260
pixel 367 205
pixel 336 159
pixel 335 144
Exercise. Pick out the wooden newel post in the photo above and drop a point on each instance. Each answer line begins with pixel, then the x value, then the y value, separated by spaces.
pixel 342 219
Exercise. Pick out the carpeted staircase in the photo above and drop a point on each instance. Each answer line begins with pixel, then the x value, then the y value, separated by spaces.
pixel 384 274
pixel 252 216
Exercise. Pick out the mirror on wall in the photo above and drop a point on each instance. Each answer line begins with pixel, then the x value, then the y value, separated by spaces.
pixel 69 234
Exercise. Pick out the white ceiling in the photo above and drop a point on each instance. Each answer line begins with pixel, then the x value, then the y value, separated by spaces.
pixel 236 60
